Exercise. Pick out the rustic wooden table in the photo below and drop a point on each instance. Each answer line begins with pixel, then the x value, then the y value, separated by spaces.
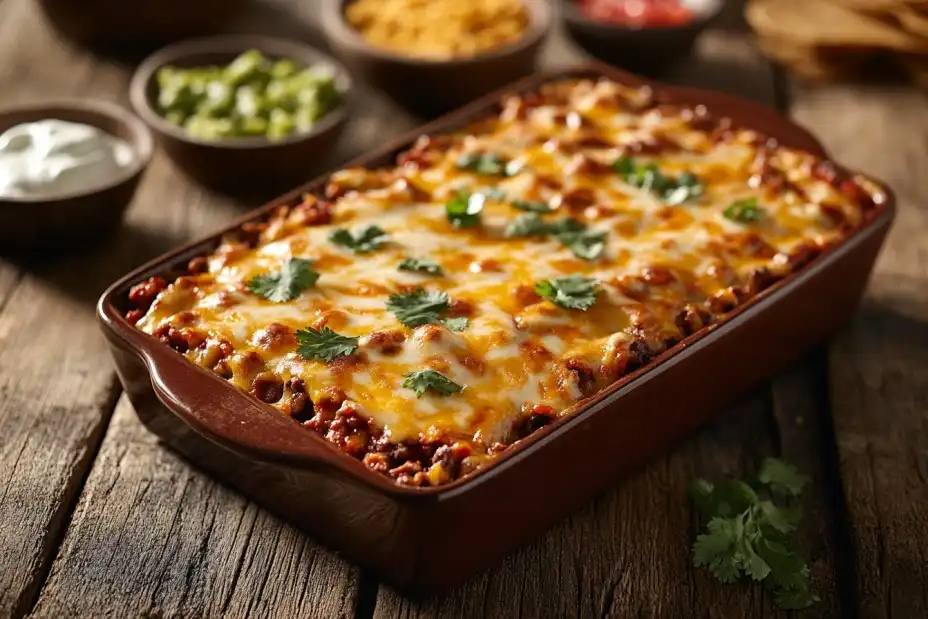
pixel 97 519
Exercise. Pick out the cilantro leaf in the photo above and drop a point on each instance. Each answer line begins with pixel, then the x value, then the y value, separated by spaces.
pixel 726 498
pixel 415 265
pixel 296 275
pixel 624 165
pixel 532 207
pixel 464 208
pixel 421 381
pixel 649 178
pixel 584 244
pixel 366 241
pixel 673 191
pixel 743 211
pixel 418 307
pixel 326 345
pixel 571 292
pixel 568 224
pixel 782 478
pixel 572 233
pixel 687 187
pixel 716 549
pixel 747 533
pixel 455 323
pixel 493 193
pixel 528 224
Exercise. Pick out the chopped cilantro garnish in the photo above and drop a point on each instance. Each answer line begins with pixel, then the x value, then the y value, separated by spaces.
pixel 493 193
pixel 571 292
pixel 417 265
pixel 743 211
pixel 624 165
pixel 747 533
pixel 528 224
pixel 296 275
pixel 489 164
pixel 464 208
pixel 455 323
pixel 573 234
pixel 687 187
pixel 584 244
pixel 326 344
pixel 421 381
pixel 367 240
pixel 567 225
pixel 532 207
pixel 673 191
pixel 419 307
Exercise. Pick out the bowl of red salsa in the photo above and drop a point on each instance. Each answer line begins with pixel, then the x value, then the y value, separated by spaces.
pixel 638 34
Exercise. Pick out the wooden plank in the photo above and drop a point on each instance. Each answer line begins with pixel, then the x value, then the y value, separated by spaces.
pixel 879 366
pixel 628 554
pixel 153 537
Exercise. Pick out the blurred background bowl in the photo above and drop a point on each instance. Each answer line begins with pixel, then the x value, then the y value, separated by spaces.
pixel 137 25
pixel 247 165
pixel 75 219
pixel 431 87
pixel 645 48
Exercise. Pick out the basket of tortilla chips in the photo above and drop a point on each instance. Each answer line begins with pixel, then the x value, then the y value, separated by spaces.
pixel 830 39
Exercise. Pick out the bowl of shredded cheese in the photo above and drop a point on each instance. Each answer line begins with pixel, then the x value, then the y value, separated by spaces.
pixel 435 55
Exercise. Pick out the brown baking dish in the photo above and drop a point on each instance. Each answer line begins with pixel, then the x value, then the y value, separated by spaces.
pixel 427 538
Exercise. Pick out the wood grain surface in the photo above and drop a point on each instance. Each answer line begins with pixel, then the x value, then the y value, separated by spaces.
pixel 99 520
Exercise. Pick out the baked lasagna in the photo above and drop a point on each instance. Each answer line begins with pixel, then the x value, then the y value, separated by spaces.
pixel 425 316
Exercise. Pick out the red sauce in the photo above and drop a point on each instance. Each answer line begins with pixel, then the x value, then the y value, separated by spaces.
pixel 637 12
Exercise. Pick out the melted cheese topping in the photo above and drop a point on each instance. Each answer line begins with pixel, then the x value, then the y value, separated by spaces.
pixel 519 351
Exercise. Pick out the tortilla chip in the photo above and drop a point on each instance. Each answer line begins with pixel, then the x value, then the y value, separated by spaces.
pixel 811 62
pixel 878 6
pixel 816 23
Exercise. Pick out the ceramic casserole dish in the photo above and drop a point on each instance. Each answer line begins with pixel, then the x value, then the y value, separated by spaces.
pixel 426 509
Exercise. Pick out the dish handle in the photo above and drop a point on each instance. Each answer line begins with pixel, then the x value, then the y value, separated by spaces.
pixel 159 381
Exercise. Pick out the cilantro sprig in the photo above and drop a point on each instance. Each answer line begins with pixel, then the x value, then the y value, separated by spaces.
pixel 365 241
pixel 672 191
pixel 585 244
pixel 420 307
pixel 295 276
pixel 532 207
pixel 417 265
pixel 489 164
pixel 421 381
pixel 493 193
pixel 571 292
pixel 747 533
pixel 464 209
pixel 326 345
pixel 743 211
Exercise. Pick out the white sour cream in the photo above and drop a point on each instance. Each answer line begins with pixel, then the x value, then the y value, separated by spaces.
pixel 52 157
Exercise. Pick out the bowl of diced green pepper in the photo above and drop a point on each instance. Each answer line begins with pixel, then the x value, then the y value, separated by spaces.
pixel 243 112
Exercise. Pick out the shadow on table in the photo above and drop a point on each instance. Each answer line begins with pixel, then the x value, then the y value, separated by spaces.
pixel 84 273
pixel 269 18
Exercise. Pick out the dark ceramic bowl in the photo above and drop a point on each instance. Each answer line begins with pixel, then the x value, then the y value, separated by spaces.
pixel 251 165
pixel 644 48
pixel 74 219
pixel 430 87
pixel 139 24
pixel 402 532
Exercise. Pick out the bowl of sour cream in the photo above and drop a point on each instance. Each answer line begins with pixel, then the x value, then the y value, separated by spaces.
pixel 68 171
